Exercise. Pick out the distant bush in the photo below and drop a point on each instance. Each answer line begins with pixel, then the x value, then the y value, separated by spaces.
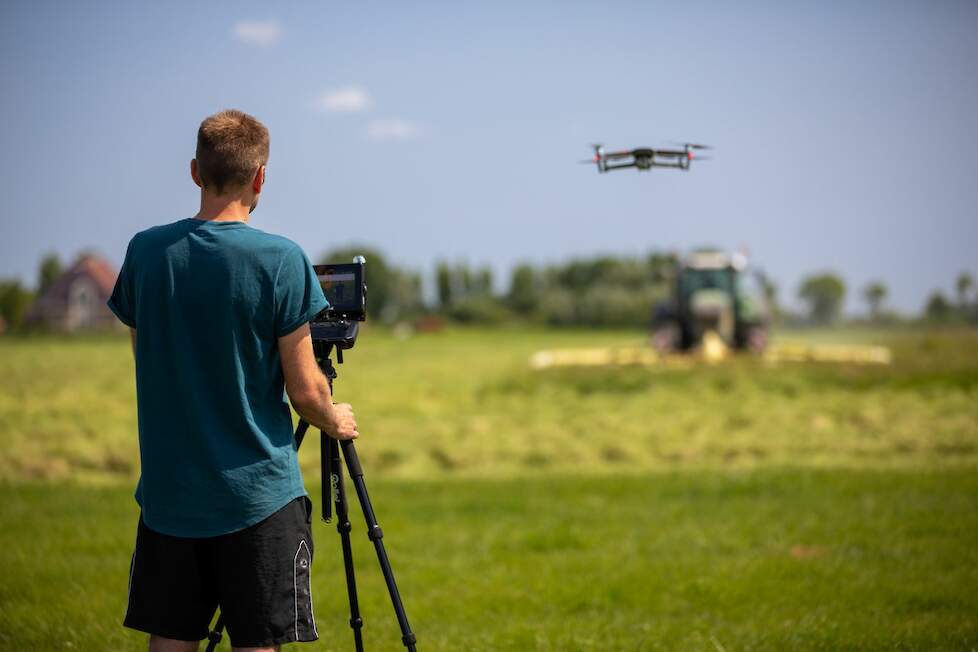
pixel 612 305
pixel 557 308
pixel 479 310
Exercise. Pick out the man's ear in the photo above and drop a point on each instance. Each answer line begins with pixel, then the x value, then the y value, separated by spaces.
pixel 195 173
pixel 259 179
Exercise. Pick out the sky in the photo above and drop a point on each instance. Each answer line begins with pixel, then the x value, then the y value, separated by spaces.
pixel 845 132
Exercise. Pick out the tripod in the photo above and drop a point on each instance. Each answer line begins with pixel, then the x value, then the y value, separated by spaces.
pixel 332 469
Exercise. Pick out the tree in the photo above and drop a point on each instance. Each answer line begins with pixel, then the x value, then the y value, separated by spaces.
pixel 662 267
pixel 524 290
pixel 49 270
pixel 824 293
pixel 769 290
pixel 483 282
pixel 14 302
pixel 938 308
pixel 443 279
pixel 463 280
pixel 405 295
pixel 963 285
pixel 875 293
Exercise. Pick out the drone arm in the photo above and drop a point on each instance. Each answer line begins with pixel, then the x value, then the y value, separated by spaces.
pixel 620 165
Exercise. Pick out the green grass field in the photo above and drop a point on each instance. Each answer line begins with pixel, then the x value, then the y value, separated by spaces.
pixel 735 507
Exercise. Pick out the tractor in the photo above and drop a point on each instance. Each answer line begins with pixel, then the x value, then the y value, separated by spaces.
pixel 717 304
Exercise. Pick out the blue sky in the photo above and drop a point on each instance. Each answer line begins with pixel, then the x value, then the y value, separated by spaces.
pixel 845 131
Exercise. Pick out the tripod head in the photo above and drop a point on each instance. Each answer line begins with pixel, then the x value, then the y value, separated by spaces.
pixel 322 350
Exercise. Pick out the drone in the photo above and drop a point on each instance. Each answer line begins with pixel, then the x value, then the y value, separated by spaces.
pixel 646 158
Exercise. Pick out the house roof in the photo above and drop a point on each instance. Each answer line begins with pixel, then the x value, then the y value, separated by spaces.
pixel 97 269
pixel 100 271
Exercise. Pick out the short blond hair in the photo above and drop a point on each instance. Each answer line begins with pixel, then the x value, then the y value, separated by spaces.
pixel 231 146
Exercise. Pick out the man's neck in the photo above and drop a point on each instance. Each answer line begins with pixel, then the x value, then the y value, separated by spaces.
pixel 222 208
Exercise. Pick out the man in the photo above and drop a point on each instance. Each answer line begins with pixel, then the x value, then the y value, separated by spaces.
pixel 219 314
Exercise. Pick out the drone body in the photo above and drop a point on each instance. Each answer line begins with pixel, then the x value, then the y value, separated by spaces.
pixel 645 158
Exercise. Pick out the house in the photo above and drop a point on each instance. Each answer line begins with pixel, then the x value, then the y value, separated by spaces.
pixel 75 301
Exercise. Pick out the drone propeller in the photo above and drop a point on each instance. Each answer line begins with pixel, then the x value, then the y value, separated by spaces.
pixel 690 145
pixel 702 158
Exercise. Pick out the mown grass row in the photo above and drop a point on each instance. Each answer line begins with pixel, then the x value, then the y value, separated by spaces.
pixel 465 403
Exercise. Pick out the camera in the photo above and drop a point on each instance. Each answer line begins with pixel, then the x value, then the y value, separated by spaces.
pixel 345 289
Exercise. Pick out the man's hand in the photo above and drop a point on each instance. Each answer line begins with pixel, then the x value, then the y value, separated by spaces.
pixel 308 389
pixel 344 425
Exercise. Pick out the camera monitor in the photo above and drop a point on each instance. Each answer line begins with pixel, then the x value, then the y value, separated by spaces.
pixel 343 286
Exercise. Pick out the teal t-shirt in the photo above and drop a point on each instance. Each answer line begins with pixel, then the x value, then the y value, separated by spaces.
pixel 209 301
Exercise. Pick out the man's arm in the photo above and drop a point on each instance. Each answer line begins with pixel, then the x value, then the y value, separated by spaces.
pixel 308 388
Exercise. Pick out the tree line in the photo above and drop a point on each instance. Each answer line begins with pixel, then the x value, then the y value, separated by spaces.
pixel 597 291
pixel 618 291
pixel 825 293
pixel 609 291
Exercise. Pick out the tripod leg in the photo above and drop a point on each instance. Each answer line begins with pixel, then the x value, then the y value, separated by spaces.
pixel 375 534
pixel 343 527
pixel 215 635
pixel 300 432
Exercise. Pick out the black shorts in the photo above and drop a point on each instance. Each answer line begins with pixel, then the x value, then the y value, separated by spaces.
pixel 260 577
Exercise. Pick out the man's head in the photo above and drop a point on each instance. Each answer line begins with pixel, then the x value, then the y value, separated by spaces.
pixel 232 150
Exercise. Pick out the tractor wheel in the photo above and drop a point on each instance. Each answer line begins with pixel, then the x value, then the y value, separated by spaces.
pixel 666 338
pixel 757 339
